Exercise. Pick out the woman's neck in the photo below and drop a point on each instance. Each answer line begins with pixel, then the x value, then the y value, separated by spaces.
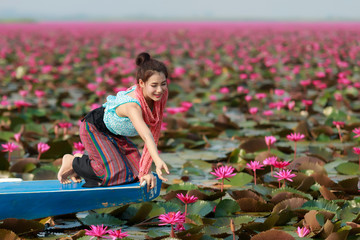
pixel 150 103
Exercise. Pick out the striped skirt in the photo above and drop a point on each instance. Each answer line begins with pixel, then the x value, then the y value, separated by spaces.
pixel 114 160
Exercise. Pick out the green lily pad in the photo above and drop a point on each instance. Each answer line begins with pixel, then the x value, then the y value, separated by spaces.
pixel 168 206
pixel 102 218
pixel 240 179
pixel 226 207
pixel 201 208
pixel 5 135
pixel 348 168
pixel 157 234
pixel 182 186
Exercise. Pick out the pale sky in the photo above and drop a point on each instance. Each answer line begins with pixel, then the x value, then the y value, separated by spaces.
pixel 43 10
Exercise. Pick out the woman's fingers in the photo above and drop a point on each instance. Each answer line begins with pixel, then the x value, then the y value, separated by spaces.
pixel 166 169
pixel 160 175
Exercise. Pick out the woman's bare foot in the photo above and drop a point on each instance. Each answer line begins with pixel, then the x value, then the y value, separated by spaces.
pixel 66 169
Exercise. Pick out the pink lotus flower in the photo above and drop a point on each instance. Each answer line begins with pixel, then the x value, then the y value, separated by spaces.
pixel 21 103
pixel 96 231
pixel 279 92
pixel 179 227
pixel 278 105
pixel 164 126
pixel 175 110
pixel 65 126
pixel 100 93
pixel 46 69
pixel 305 83
pixel 178 72
pixel 117 234
pixel 172 218
pixel 254 165
pixel 186 105
pixel 223 172
pixel 307 103
pixel 248 98
pixel 79 147
pixel 269 140
pixel 320 74
pixel 284 175
pixel 240 89
pixel 4 102
pixel 253 110
pixel 291 105
pixel 213 97
pixel 186 200
pixel 270 161
pixel 67 105
pixel 281 165
pixel 243 76
pixel 224 90
pixel 268 113
pixel 39 93
pixel 302 232
pixel 17 137
pixel 92 87
pixel 357 151
pixel 295 137
pixel 94 106
pixel 338 97
pixel 23 93
pixel 338 125
pixel 260 96
pixel 42 147
pixel 9 147
pixel 357 132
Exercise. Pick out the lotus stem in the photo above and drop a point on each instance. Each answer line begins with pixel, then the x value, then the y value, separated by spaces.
pixel 172 234
pixel 255 177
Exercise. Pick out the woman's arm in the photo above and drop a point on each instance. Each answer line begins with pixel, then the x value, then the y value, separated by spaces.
pixel 134 113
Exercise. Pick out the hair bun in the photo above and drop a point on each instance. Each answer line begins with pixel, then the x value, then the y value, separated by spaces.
pixel 141 58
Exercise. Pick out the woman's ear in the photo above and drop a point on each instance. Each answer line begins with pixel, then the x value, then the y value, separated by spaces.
pixel 141 83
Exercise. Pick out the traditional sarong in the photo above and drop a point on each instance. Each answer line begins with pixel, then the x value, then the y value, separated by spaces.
pixel 113 158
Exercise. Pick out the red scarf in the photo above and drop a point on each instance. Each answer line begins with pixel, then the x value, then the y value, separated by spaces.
pixel 153 119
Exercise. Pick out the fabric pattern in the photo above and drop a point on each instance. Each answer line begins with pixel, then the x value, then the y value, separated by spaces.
pixel 115 160
pixel 153 118
pixel 119 125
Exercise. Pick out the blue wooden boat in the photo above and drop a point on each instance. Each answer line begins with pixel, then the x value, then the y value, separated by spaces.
pixel 38 199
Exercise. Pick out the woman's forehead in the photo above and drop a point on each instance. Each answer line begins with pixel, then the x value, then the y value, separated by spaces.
pixel 157 77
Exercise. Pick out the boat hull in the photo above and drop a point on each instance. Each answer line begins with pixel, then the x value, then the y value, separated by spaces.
pixel 38 199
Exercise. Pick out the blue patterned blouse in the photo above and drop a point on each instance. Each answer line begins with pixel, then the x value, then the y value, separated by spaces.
pixel 119 125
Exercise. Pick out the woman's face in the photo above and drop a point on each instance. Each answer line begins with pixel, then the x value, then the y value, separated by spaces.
pixel 155 87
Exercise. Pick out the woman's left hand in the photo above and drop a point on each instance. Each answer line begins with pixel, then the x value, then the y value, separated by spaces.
pixel 159 167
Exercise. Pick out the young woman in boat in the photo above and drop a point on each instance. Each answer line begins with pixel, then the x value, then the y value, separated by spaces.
pixel 110 157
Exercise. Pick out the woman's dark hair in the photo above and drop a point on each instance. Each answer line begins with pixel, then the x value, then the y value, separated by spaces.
pixel 147 66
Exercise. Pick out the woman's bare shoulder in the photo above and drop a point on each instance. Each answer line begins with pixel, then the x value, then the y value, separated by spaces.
pixel 125 109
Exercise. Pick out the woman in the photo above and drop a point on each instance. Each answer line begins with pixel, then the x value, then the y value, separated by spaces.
pixel 111 157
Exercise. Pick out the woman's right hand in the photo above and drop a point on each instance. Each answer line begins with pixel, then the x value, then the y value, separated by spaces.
pixel 150 180
pixel 161 165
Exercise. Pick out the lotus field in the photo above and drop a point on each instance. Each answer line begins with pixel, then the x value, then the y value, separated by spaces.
pixel 262 126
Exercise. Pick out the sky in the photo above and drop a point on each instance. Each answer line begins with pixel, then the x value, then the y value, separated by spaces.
pixel 84 10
